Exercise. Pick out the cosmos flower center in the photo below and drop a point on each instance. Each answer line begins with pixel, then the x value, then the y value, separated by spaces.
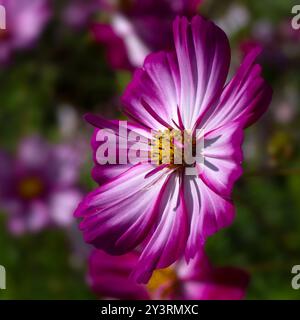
pixel 163 282
pixel 172 147
pixel 30 187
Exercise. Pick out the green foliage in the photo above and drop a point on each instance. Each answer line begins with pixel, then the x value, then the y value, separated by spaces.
pixel 39 267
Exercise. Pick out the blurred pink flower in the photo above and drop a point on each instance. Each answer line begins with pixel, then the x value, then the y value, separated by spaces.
pixel 109 277
pixel 139 27
pixel 280 43
pixel 78 12
pixel 157 205
pixel 38 187
pixel 25 20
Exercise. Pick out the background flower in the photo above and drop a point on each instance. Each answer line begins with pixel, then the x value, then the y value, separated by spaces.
pixel 109 277
pixel 25 20
pixel 39 186
pixel 137 28
pixel 77 13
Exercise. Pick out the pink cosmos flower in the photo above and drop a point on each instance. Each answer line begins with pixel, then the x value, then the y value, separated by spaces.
pixel 157 207
pixel 25 20
pixel 109 276
pixel 138 27
pixel 38 186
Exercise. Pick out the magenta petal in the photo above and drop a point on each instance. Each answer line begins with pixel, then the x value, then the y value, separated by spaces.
pixel 157 84
pixel 108 276
pixel 102 173
pixel 208 212
pixel 119 215
pixel 245 98
pixel 202 281
pixel 191 81
pixel 168 240
pixel 223 284
pixel 223 158
pixel 230 284
pixel 101 123
pixel 203 55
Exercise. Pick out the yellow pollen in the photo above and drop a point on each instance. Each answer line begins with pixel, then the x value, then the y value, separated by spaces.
pixel 30 188
pixel 165 279
pixel 167 147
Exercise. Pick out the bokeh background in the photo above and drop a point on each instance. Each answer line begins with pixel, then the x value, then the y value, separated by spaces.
pixel 46 88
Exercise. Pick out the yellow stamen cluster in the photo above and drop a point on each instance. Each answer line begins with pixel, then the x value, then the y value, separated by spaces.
pixel 166 147
pixel 30 188
pixel 171 146
pixel 165 279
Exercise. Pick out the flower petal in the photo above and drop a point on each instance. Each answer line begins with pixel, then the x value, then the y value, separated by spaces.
pixel 157 84
pixel 245 98
pixel 225 283
pixel 203 55
pixel 119 215
pixel 103 173
pixel 222 158
pixel 208 212
pixel 191 79
pixel 109 276
pixel 167 243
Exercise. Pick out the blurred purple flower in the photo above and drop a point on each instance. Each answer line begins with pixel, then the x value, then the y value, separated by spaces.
pixel 285 103
pixel 235 19
pixel 109 277
pixel 77 12
pixel 25 20
pixel 280 43
pixel 138 27
pixel 157 205
pixel 38 186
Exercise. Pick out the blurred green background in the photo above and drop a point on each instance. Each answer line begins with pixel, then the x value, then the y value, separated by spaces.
pixel 67 68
